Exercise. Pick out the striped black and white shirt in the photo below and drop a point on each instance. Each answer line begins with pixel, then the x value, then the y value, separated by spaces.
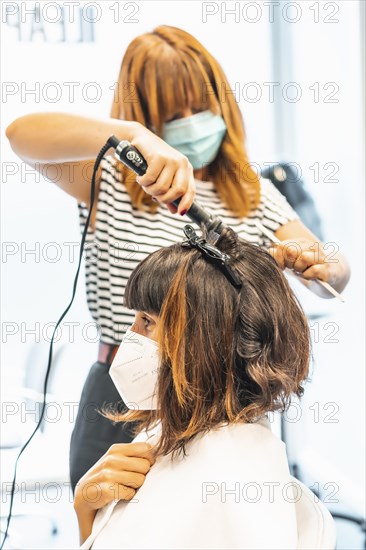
pixel 124 236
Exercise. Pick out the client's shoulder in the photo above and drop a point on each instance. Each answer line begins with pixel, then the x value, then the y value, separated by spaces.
pixel 248 435
pixel 248 446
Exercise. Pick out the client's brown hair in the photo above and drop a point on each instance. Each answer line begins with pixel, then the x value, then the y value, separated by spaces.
pixel 227 354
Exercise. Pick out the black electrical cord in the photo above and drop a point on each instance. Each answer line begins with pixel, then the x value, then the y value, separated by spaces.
pixel 101 154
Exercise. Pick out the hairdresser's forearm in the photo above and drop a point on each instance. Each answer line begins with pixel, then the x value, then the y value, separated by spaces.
pixel 62 137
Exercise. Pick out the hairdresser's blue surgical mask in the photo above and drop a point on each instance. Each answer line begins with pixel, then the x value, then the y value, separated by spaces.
pixel 198 136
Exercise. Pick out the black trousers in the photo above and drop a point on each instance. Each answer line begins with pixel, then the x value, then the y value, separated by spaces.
pixel 93 434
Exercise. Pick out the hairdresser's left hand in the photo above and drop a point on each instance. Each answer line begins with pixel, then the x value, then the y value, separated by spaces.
pixel 311 259
pixel 306 258
pixel 302 251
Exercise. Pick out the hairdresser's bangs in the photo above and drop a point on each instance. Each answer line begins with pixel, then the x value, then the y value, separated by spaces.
pixel 174 81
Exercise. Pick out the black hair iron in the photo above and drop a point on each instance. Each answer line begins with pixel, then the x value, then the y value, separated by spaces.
pixel 132 158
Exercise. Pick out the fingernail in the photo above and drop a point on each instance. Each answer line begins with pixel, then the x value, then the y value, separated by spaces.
pixel 138 179
pixel 183 213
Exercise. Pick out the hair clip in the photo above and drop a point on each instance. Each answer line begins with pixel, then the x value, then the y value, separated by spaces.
pixel 211 253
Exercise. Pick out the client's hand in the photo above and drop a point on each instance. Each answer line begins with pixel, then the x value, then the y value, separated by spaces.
pixel 117 475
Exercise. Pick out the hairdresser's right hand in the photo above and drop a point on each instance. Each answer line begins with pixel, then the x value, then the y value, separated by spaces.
pixel 169 174
pixel 117 475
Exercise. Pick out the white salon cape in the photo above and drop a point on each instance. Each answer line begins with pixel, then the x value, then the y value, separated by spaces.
pixel 232 490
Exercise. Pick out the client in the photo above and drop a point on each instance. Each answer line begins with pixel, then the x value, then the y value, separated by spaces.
pixel 221 341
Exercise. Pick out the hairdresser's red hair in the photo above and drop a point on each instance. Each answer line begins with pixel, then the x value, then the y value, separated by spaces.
pixel 167 71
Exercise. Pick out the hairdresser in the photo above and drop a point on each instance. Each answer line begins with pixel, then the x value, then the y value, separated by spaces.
pixel 168 105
